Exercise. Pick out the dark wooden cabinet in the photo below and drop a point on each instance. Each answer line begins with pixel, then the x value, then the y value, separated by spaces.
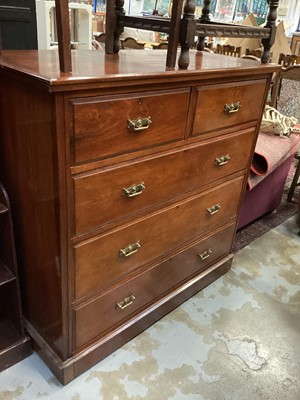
pixel 126 182
pixel 14 343
pixel 18 24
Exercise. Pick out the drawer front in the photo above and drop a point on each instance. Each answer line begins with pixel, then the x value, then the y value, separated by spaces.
pixel 105 196
pixel 96 317
pixel 101 261
pixel 100 126
pixel 227 105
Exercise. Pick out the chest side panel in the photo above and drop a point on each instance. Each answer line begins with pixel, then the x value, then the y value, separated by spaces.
pixel 31 174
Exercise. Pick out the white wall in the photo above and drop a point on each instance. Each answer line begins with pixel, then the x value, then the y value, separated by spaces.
pixel 294 14
pixel 289 12
pixel 133 7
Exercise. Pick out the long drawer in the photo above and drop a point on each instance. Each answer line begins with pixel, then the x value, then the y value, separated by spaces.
pixel 109 125
pixel 103 260
pixel 222 106
pixel 104 196
pixel 112 308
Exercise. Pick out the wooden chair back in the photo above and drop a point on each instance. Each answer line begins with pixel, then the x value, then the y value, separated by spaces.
pixel 132 43
pixel 228 50
pixel 207 50
pixel 251 57
pixel 253 52
pixel 160 46
pixel 101 38
pixel 287 60
pixel 290 70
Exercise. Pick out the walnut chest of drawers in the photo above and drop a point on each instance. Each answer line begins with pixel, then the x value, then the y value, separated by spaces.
pixel 125 181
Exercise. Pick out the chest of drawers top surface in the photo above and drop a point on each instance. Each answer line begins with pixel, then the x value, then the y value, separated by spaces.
pixel 94 67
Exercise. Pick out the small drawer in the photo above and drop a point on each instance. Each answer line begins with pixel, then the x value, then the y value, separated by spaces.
pixel 103 196
pixel 111 309
pixel 107 126
pixel 222 106
pixel 105 259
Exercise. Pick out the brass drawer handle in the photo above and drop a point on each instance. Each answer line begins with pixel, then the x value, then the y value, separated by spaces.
pixel 126 302
pixel 222 160
pixel 139 124
pixel 130 249
pixel 232 108
pixel 214 209
pixel 134 190
pixel 207 253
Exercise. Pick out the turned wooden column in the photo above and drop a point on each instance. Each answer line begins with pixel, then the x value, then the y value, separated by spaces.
pixel 271 23
pixel 114 8
pixel 110 26
pixel 63 34
pixel 205 19
pixel 119 10
pixel 187 33
pixel 174 33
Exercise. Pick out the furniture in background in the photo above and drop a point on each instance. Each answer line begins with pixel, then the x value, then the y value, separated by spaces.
pixel 254 52
pixel 283 98
pixel 18 25
pixel 99 22
pixel 15 345
pixel 80 23
pixel 290 70
pixel 131 43
pixel 299 213
pixel 266 196
pixel 264 193
pixel 208 50
pixel 228 50
pixel 181 28
pixel 295 44
pixel 288 60
pixel 100 37
pixel 160 46
pixel 295 181
pixel 141 35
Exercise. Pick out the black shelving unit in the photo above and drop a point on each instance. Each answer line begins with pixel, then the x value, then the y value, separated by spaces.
pixel 15 344
pixel 18 26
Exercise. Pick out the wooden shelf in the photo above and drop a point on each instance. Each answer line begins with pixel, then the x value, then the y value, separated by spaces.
pixel 3 209
pixel 5 275
pixel 14 346
pixel 9 335
pixel 14 343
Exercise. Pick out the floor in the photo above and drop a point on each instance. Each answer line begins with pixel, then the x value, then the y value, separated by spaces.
pixel 236 339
